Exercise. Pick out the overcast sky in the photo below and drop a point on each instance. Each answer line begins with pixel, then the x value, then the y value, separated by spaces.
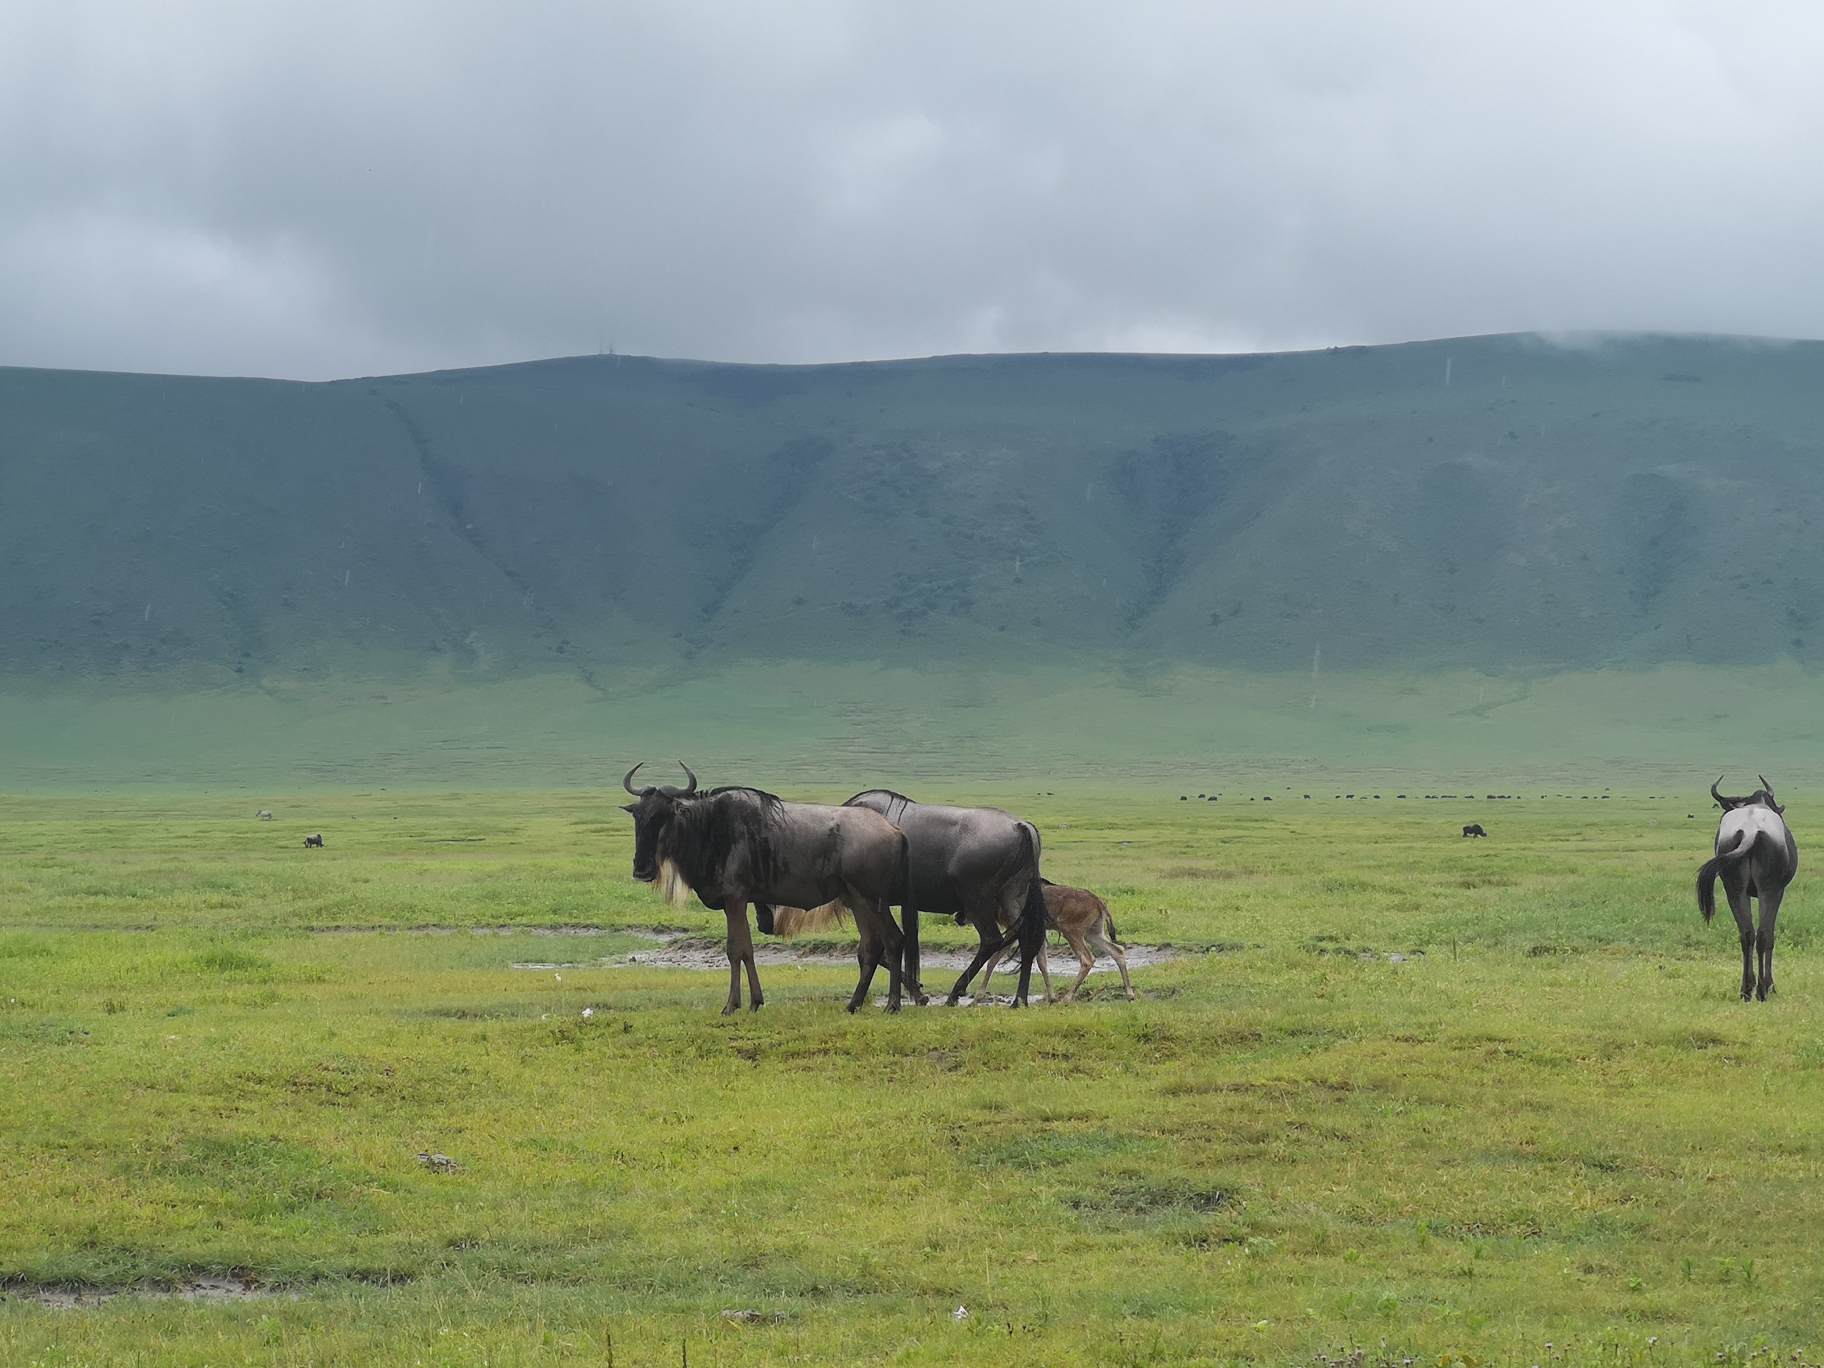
pixel 325 189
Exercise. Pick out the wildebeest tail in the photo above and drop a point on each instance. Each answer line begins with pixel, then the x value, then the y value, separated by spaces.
pixel 796 921
pixel 1032 914
pixel 1706 877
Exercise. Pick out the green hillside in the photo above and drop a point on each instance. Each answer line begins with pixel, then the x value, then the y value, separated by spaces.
pixel 1500 558
pixel 1489 503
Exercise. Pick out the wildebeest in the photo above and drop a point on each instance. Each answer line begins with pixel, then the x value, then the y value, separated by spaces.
pixel 1082 919
pixel 1474 829
pixel 264 814
pixel 735 846
pixel 980 865
pixel 1756 857
pixel 316 841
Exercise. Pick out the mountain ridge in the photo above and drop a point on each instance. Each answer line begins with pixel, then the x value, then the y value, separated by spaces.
pixel 1500 504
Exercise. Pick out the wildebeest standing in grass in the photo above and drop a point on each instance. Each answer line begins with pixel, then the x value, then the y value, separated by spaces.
pixel 1082 919
pixel 1756 857
pixel 735 846
pixel 976 864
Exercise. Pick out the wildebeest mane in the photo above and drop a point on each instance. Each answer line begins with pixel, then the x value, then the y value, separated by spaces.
pixel 709 828
pixel 896 805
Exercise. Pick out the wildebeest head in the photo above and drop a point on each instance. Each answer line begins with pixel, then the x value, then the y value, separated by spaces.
pixel 1763 796
pixel 657 806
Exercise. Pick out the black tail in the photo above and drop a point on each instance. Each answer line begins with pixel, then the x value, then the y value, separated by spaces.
pixel 1108 920
pixel 1706 877
pixel 1032 917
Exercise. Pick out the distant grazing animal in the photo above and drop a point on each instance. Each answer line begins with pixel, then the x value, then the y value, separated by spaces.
pixel 1756 857
pixel 264 815
pixel 735 846
pixel 1474 829
pixel 980 865
pixel 1082 919
pixel 316 841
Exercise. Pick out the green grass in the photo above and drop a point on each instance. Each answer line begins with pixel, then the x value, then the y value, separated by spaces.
pixel 1550 1121
pixel 838 728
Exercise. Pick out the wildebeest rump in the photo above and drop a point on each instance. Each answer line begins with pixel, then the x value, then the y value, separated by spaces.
pixel 735 846
pixel 977 864
pixel 1083 920
pixel 1756 857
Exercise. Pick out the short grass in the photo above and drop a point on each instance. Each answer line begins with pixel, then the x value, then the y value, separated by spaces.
pixel 1547 1133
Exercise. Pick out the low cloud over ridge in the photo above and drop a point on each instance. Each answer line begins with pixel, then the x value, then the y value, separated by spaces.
pixel 323 190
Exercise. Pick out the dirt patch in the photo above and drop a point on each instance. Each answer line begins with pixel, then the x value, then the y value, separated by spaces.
pixel 205 1289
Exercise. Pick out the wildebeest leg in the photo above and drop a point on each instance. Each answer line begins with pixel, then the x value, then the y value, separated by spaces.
pixel 1109 946
pixel 1770 916
pixel 995 959
pixel 1737 892
pixel 1086 960
pixel 741 953
pixel 988 928
pixel 880 941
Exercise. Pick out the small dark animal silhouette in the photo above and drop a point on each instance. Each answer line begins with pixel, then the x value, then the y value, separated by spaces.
pixel 1756 857
pixel 316 841
pixel 1474 829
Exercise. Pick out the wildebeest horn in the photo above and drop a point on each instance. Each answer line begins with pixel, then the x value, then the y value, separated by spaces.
pixel 627 782
pixel 693 779
pixel 1765 784
pixel 1714 794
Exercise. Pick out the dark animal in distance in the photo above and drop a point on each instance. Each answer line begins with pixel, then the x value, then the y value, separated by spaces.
pixel 1474 829
pixel 1084 921
pixel 980 865
pixel 316 841
pixel 735 846
pixel 1757 858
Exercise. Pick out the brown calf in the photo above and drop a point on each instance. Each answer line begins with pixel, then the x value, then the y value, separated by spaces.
pixel 1082 919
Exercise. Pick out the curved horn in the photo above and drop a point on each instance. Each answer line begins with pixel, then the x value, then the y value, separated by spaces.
pixel 627 782
pixel 1765 784
pixel 1714 794
pixel 693 779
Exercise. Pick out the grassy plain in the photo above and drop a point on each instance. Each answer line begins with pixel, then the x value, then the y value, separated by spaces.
pixel 1547 1134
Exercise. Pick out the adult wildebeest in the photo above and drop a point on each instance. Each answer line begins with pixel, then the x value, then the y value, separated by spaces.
pixel 316 841
pixel 1082 919
pixel 1474 829
pixel 1756 858
pixel 735 846
pixel 980 865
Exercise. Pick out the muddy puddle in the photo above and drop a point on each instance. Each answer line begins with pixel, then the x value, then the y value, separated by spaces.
pixel 696 952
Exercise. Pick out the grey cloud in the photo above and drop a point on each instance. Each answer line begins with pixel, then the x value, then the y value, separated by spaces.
pixel 318 190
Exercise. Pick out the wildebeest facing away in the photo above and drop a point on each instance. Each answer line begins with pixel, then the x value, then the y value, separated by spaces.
pixel 1082 919
pixel 1756 857
pixel 1474 829
pixel 316 841
pixel 735 846
pixel 980 865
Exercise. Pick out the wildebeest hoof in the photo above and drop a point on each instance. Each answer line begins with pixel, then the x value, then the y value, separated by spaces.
pixel 731 1009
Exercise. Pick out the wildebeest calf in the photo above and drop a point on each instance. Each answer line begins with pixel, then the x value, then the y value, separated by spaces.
pixel 1082 919
pixel 1474 829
